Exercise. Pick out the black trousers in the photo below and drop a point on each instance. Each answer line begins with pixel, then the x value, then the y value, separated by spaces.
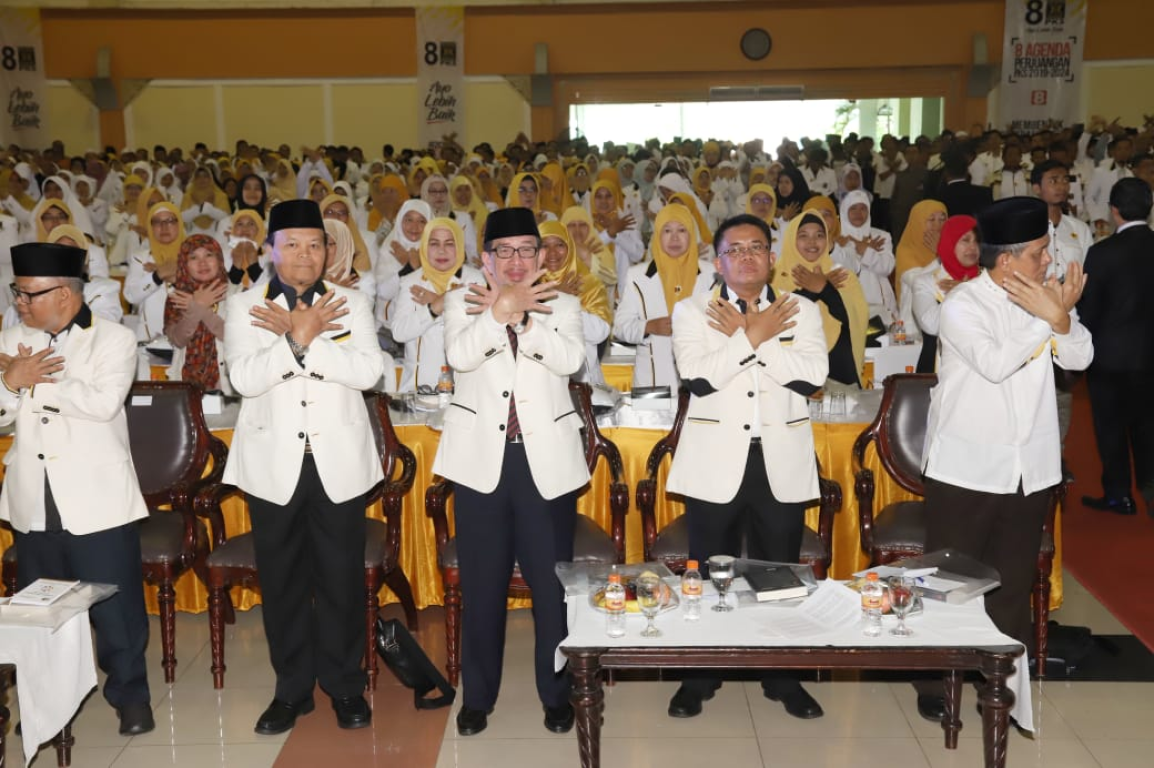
pixel 771 529
pixel 1004 531
pixel 494 530
pixel 111 556
pixel 1123 426
pixel 310 558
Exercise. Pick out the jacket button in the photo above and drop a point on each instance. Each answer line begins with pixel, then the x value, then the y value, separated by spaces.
pixel 301 435
pixel 745 427
pixel 750 394
pixel 502 428
pixel 504 394
pixel 304 403
pixel 40 455
pixel 44 420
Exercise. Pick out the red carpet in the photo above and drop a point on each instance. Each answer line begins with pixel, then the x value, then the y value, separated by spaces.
pixel 1109 554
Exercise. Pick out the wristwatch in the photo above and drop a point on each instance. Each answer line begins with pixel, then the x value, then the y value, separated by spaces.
pixel 298 349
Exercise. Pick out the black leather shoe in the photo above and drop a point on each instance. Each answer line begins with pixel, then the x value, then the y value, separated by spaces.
pixel 932 708
pixel 1120 506
pixel 470 721
pixel 687 701
pixel 560 719
pixel 135 719
pixel 352 712
pixel 280 716
pixel 798 703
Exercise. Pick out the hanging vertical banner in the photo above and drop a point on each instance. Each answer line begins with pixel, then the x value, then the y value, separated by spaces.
pixel 1042 64
pixel 22 83
pixel 440 73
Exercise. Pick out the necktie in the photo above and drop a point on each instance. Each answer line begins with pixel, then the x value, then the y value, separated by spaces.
pixel 743 306
pixel 513 426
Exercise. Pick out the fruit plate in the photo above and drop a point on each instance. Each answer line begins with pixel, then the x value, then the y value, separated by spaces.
pixel 670 602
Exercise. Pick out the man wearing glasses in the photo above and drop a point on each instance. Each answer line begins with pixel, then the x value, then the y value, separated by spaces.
pixel 512 446
pixel 750 358
pixel 70 491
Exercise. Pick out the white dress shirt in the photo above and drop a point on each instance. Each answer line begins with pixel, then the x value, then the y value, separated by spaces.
pixel 993 419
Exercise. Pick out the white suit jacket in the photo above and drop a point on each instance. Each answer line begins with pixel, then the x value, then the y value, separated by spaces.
pixel 286 404
pixel 75 430
pixel 739 392
pixel 472 445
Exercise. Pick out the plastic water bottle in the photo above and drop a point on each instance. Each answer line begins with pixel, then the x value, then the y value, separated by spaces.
pixel 615 606
pixel 445 386
pixel 691 591
pixel 871 605
pixel 899 332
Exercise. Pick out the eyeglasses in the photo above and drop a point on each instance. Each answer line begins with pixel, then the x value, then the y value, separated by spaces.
pixel 26 297
pixel 164 222
pixel 753 249
pixel 57 218
pixel 342 213
pixel 525 252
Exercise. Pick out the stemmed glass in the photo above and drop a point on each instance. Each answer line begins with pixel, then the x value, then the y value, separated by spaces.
pixel 721 574
pixel 901 599
pixel 649 599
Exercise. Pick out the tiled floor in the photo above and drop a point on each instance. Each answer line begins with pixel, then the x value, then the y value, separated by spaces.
pixel 1107 725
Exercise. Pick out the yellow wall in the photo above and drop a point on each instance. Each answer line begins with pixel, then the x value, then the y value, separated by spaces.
pixel 175 117
pixel 269 115
pixel 1120 91
pixel 73 119
pixel 375 114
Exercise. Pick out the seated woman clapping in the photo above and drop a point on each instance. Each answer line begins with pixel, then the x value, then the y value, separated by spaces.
pixel 194 315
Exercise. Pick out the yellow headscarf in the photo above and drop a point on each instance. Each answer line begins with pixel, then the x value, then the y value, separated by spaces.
pixel 851 292
pixel 591 291
pixel 143 204
pixel 70 231
pixel 492 191
pixel 702 181
pixel 255 217
pixel 380 182
pixel 286 188
pixel 429 166
pixel 604 266
pixel 821 203
pixel 513 197
pixel 703 230
pixel 912 251
pixel 25 200
pixel 679 274
pixel 194 196
pixel 162 254
pixel 768 190
pixel 328 188
pixel 362 263
pixel 476 209
pixel 442 280
pixel 41 232
pixel 558 196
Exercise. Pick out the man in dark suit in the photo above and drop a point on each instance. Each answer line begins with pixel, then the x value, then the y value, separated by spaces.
pixel 1116 308
pixel 960 196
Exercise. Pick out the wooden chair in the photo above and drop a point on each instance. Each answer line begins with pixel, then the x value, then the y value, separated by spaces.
pixel 590 542
pixel 233 559
pixel 174 454
pixel 670 545
pixel 898 530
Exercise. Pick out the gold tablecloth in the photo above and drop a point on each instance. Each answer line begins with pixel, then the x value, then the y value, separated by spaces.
pixel 834 442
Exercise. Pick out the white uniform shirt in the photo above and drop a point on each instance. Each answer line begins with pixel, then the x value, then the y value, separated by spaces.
pixel 1069 241
pixel 993 419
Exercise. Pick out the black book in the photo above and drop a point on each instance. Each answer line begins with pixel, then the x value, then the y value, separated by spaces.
pixel 774 582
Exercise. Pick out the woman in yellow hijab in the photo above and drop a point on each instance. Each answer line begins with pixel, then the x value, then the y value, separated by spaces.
pixel 420 306
pixel 762 203
pixel 650 292
pixel 53 213
pixel 805 268
pixel 340 208
pixel 151 272
pixel 525 192
pixel 12 185
pixel 204 203
pixel 387 193
pixel 284 183
pixel 555 194
pixel 825 207
pixel 424 168
pixel 465 197
pixel 919 243
pixel 596 255
pixel 703 230
pixel 560 262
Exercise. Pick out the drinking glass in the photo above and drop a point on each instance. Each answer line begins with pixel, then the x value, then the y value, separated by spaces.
pixel 815 409
pixel 837 403
pixel 901 599
pixel 721 574
pixel 649 589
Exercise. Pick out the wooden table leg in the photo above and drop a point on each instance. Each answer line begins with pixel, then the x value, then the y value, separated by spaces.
pixel 997 700
pixel 952 722
pixel 588 701
pixel 64 742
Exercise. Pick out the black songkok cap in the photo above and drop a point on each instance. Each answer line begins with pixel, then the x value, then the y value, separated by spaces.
pixel 47 260
pixel 1014 220
pixel 510 222
pixel 295 214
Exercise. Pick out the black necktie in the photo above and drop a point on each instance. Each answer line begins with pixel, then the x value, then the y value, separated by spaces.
pixel 513 426
pixel 743 306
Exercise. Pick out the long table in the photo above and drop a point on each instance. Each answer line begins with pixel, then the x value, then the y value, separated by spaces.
pixel 952 638
pixel 833 441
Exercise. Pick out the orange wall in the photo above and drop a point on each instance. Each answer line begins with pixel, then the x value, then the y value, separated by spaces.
pixel 840 47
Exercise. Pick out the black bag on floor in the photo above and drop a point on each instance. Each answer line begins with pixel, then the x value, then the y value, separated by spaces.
pixel 408 661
